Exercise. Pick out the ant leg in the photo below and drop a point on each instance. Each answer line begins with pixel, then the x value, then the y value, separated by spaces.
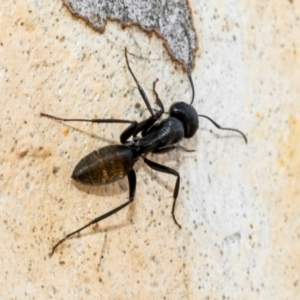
pixel 158 101
pixel 169 148
pixel 132 185
pixel 224 128
pixel 146 124
pixel 160 168
pixel 165 149
pixel 142 92
pixel 126 134
pixel 89 120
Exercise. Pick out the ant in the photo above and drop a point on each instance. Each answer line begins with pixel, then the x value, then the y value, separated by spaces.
pixel 111 163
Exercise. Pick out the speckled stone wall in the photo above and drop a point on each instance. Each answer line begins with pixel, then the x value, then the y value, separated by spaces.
pixel 238 204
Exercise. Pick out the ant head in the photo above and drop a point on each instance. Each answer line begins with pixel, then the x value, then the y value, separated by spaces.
pixel 187 115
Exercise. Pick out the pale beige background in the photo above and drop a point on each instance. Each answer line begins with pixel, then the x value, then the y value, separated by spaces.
pixel 239 204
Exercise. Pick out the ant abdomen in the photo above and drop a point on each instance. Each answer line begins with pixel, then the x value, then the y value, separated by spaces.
pixel 105 165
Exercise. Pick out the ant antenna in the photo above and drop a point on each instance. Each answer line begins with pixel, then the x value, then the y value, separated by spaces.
pixel 224 128
pixel 192 86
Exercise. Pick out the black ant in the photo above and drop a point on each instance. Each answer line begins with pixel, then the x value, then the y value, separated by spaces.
pixel 111 163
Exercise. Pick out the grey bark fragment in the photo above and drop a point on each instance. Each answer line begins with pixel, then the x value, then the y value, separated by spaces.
pixel 169 18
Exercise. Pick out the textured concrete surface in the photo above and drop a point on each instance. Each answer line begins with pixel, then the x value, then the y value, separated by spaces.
pixel 168 19
pixel 239 204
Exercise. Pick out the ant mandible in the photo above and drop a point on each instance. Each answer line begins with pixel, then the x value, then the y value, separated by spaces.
pixel 111 163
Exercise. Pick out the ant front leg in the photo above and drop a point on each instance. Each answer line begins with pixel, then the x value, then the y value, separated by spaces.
pixel 143 126
pixel 142 92
pixel 164 169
